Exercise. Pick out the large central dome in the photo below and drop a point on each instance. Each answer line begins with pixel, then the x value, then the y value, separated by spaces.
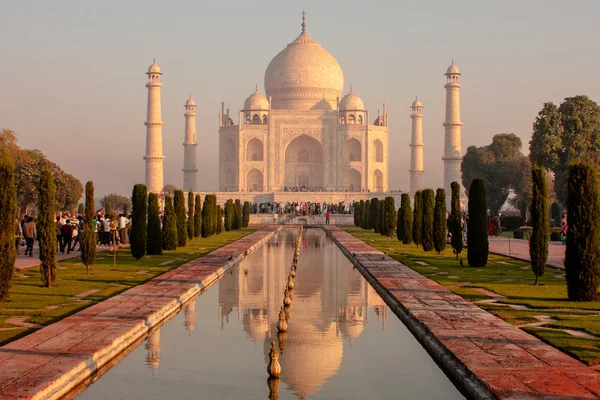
pixel 304 76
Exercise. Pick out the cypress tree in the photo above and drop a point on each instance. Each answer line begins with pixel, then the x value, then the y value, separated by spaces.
pixel 228 215
pixel 108 208
pixel 374 215
pixel 418 218
pixel 555 213
pixel 179 205
pixel 190 218
pixel 216 214
pixel 8 215
pixel 139 230
pixel 427 225
pixel 246 214
pixel 390 216
pixel 46 228
pixel 169 225
pixel 405 220
pixel 154 233
pixel 582 256
pixel 198 216
pixel 207 217
pixel 382 222
pixel 88 238
pixel 455 219
pixel 220 220
pixel 237 215
pixel 477 233
pixel 356 212
pixel 440 222
pixel 81 209
pixel 366 215
pixel 538 244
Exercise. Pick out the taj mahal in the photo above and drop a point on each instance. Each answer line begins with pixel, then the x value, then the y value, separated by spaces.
pixel 304 139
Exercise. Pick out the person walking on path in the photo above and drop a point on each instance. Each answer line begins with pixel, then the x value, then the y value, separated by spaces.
pixel 122 228
pixel 67 236
pixel 18 235
pixel 29 233
pixel 58 225
pixel 327 215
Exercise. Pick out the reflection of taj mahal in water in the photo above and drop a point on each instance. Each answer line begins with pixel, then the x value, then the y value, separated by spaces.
pixel 329 305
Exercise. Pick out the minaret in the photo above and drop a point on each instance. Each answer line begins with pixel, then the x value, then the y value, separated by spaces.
pixel 416 147
pixel 154 155
pixel 452 126
pixel 189 145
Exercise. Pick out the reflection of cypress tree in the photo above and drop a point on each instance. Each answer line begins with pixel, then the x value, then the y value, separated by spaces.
pixel 8 212
pixel 439 221
pixel 179 204
pixel 154 245
pixel 198 216
pixel 46 230
pixel 427 226
pixel 169 228
pixel 418 218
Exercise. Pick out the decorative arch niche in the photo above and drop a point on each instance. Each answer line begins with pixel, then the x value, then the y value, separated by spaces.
pixel 254 150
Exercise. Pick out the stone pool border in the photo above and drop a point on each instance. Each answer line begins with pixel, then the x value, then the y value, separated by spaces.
pixel 488 357
pixel 49 363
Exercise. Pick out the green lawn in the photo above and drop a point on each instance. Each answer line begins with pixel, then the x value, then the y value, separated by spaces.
pixel 515 281
pixel 47 305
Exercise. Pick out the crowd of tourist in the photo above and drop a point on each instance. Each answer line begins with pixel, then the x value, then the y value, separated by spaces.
pixel 297 209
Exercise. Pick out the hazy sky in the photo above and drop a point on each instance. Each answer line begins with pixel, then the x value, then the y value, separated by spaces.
pixel 72 74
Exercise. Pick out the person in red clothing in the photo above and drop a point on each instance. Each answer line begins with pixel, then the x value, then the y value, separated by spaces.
pixel 491 226
pixel 66 232
pixel 327 215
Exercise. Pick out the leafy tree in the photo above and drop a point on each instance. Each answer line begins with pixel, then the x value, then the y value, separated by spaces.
pixel 375 215
pixel 563 134
pixel 477 233
pixel 427 225
pixel 138 238
pixel 88 238
pixel 367 215
pixel 440 223
pixel 228 215
pixel 417 225
pixel 46 228
pixel 117 201
pixel 246 214
pixel 404 228
pixel 169 227
pixel 207 217
pixel 169 190
pixel 237 215
pixel 219 220
pixel 190 218
pixel 8 215
pixel 582 256
pixel 538 244
pixel 455 219
pixel 503 168
pixel 179 204
pixel 389 226
pixel 108 210
pixel 198 216
pixel 81 209
pixel 154 233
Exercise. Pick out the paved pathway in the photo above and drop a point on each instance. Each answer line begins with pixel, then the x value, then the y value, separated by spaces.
pixel 490 357
pixel 25 262
pixel 519 249
pixel 50 362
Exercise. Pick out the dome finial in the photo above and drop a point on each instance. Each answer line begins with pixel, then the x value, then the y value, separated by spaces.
pixel 154 59
pixel 350 88
pixel 303 21
pixel 256 87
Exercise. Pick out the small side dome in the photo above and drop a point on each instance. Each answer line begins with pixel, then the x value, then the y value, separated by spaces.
pixel 351 101
pixel 154 68
pixel 256 101
pixel 417 103
pixel 453 69
pixel 190 102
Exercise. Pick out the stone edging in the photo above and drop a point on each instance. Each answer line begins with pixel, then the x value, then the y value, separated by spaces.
pixel 56 359
pixel 451 363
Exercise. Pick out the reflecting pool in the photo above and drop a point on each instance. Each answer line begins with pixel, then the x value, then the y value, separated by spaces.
pixel 342 341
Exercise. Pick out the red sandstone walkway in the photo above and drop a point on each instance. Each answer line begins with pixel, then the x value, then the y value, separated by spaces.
pixel 519 249
pixel 50 362
pixel 492 358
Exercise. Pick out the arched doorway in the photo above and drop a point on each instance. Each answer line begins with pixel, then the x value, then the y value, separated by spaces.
pixel 254 150
pixel 377 181
pixel 254 181
pixel 304 168
pixel 352 181
pixel 352 150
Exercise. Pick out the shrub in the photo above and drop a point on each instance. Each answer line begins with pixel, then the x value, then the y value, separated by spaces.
pixel 427 224
pixel 179 205
pixel 237 215
pixel 190 216
pixel 404 229
pixel 477 233
pixel 455 220
pixel 46 228
pixel 511 222
pixel 555 236
pixel 169 227
pixel 246 214
pixel 440 222
pixel 154 244
pixel 367 215
pixel 198 216
pixel 418 218
pixel 518 234
pixel 88 238
pixel 8 215
pixel 374 215
pixel 139 229
pixel 582 255
pixel 228 212
pixel 538 244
